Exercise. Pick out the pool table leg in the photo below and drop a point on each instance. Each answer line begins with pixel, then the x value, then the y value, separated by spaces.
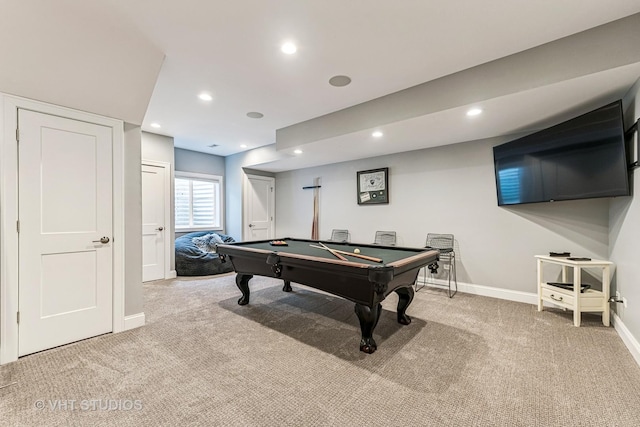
pixel 405 297
pixel 242 281
pixel 368 317
pixel 287 286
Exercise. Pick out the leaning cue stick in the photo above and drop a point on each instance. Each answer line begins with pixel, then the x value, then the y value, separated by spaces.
pixel 333 251
pixel 368 258
pixel 315 232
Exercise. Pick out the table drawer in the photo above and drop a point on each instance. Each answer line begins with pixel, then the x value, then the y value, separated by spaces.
pixel 592 300
pixel 556 296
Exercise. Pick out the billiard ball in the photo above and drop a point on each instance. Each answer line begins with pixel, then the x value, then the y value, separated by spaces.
pixel 356 251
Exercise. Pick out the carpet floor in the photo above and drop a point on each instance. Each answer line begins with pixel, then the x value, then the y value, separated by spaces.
pixel 292 359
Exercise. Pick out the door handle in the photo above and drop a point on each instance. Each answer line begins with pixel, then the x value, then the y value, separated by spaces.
pixel 250 225
pixel 159 228
pixel 103 240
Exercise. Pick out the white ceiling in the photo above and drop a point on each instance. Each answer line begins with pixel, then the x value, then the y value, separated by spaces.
pixel 231 50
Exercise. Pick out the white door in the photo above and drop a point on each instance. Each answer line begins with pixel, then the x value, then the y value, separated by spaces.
pixel 259 208
pixel 153 223
pixel 65 230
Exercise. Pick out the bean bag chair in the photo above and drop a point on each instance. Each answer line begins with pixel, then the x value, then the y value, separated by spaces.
pixel 195 254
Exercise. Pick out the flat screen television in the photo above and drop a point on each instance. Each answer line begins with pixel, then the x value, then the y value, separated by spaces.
pixel 582 158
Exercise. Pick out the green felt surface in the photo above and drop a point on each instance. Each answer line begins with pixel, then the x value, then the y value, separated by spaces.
pixel 302 247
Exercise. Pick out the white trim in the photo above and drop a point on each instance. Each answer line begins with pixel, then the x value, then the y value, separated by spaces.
pixel 192 229
pixel 9 267
pixel 629 340
pixel 168 226
pixel 8 233
pixel 134 321
pixel 172 274
pixel 487 291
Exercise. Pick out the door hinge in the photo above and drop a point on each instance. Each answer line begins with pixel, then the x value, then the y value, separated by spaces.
pixel 17 135
pixel 271 188
pixel 18 226
pixel 18 317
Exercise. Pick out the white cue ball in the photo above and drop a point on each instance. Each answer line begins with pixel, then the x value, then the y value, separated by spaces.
pixel 356 251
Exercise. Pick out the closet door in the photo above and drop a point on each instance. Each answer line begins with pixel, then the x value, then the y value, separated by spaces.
pixel 65 240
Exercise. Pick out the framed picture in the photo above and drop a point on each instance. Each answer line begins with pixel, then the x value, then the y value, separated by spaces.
pixel 373 186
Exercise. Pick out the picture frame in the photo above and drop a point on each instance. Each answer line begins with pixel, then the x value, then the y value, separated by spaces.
pixel 373 186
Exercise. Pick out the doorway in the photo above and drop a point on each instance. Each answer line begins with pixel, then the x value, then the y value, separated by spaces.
pixel 62 270
pixel 259 207
pixel 156 211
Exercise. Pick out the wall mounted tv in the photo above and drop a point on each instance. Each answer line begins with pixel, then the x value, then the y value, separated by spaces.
pixel 581 158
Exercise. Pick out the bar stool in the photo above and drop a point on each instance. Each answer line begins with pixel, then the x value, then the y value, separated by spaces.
pixel 444 243
pixel 385 238
pixel 340 235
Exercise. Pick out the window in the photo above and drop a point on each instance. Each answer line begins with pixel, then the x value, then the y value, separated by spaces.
pixel 198 202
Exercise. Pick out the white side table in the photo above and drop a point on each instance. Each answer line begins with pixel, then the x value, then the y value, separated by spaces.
pixel 590 300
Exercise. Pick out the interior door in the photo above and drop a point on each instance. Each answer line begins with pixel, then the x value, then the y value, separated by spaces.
pixel 259 208
pixel 153 226
pixel 65 231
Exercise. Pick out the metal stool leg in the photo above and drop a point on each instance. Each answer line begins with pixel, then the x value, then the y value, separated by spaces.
pixel 452 270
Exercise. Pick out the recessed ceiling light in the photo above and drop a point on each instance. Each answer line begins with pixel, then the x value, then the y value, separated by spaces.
pixel 288 48
pixel 155 125
pixel 474 112
pixel 297 151
pixel 255 115
pixel 377 134
pixel 205 96
pixel 339 81
pixel 243 145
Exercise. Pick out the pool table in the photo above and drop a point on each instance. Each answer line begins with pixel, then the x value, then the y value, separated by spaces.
pixel 365 282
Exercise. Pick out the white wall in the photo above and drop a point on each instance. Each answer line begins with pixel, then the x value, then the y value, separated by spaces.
pixel 133 221
pixel 624 236
pixel 449 189
pixel 193 161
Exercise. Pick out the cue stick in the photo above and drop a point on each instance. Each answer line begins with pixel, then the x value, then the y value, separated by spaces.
pixel 315 230
pixel 368 258
pixel 315 233
pixel 337 255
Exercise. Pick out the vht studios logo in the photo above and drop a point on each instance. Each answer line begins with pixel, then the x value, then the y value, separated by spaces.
pixel 88 405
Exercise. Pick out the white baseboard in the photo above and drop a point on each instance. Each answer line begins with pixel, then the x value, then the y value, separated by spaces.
pixel 629 340
pixel 487 291
pixel 532 298
pixel 134 321
pixel 172 275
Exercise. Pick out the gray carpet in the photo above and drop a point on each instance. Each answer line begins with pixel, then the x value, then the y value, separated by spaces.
pixel 292 359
